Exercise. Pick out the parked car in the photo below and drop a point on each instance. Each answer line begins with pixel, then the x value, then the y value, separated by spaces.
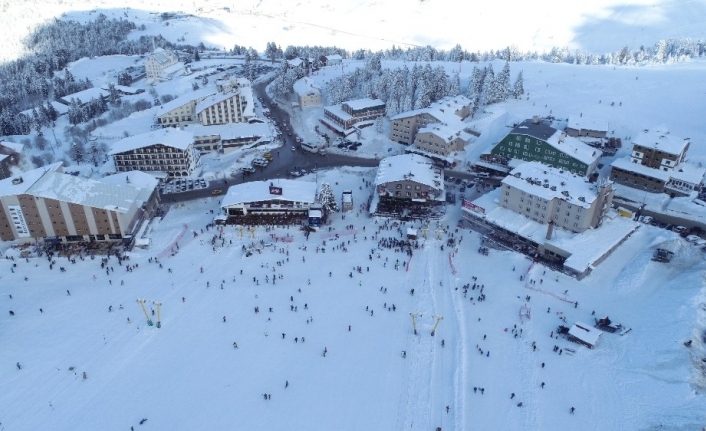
pixel 692 238
pixel 216 192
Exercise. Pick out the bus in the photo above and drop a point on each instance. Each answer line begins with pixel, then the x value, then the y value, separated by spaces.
pixel 312 148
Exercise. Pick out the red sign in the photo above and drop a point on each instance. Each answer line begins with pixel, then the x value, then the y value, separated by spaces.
pixel 275 190
pixel 473 207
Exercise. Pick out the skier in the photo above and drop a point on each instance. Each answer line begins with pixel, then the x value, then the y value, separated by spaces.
pixel 224 319
pixel 85 376
pixel 572 410
pixel 443 343
pixel 235 345
pixel 286 384
pixel 512 395
pixel 19 367
pixel 447 409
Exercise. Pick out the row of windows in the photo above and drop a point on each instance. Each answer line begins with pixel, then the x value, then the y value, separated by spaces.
pixel 408 187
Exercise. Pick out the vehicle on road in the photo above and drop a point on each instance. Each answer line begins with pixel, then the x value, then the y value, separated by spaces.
pixel 293 149
pixel 216 192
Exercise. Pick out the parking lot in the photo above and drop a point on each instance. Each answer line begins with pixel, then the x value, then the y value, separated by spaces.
pixel 182 185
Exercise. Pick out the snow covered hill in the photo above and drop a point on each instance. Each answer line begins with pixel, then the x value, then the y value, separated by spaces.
pixel 599 26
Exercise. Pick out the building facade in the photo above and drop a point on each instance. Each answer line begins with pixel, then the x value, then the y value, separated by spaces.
pixel 157 62
pixel 182 110
pixel 46 203
pixel 409 177
pixel 535 140
pixel 545 194
pixel 656 165
pixel 586 127
pixel 168 151
pixel 221 109
pixel 449 110
pixel 441 140
pixel 341 118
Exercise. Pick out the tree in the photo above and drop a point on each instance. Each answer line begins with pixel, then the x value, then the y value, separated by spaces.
pixel 327 199
pixel 518 89
pixel 77 152
pixel 113 95
pixel 487 94
pixel 454 87
pixel 379 125
pixel 501 85
pixel 53 115
pixel 125 79
pixel 197 57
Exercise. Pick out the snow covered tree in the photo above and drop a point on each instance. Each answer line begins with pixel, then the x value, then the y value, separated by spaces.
pixel 379 127
pixel 454 88
pixel 77 152
pixel 197 57
pixel 487 93
pixel 327 199
pixel 113 95
pixel 518 89
pixel 501 85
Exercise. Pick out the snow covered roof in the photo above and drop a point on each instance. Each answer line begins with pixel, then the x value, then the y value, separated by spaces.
pixel 161 56
pixel 60 108
pixel 231 130
pixel 532 177
pixel 688 173
pixel 661 140
pixel 146 183
pixel 585 333
pixel 7 188
pixel 295 62
pixel 84 191
pixel 122 88
pixel 540 130
pixel 169 137
pixel 12 146
pixel 338 112
pixel 626 165
pixel 86 95
pixel 447 132
pixel 587 123
pixel 410 167
pixel 586 248
pixel 364 103
pixel 305 86
pixel 212 100
pixel 574 148
pixel 176 67
pixel 246 94
pixel 334 57
pixel 257 191
pixel 183 100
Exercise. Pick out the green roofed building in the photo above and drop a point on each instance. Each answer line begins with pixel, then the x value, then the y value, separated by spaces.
pixel 537 141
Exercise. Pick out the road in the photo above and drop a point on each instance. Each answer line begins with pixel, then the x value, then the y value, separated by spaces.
pixel 286 160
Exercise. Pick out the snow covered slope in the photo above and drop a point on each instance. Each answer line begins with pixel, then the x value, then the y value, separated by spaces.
pixel 188 374
pixel 599 26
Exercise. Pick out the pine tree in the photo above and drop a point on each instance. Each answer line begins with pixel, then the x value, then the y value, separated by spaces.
pixel 501 85
pixel 197 57
pixel 487 92
pixel 518 89
pixel 454 88
pixel 327 199
pixel 53 115
pixel 77 152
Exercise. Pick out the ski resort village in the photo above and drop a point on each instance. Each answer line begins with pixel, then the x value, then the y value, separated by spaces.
pixel 315 237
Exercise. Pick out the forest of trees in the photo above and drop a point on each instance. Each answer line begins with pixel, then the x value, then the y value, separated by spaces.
pixel 32 81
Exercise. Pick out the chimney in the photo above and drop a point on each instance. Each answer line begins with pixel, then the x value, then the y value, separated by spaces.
pixel 535 119
pixel 562 137
pixel 550 229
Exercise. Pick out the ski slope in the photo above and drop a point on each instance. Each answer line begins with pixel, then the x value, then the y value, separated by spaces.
pixel 188 375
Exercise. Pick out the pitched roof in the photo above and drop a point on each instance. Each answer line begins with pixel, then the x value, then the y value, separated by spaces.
pixel 661 140
pixel 183 100
pixel 256 191
pixel 364 103
pixel 169 136
pixel 212 100
pixel 411 167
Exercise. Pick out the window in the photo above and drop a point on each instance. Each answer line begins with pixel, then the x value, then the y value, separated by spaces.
pixel 398 186
pixel 408 187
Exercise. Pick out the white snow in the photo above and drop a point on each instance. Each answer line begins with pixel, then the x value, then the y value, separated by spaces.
pixel 167 136
pixel 256 191
pixel 188 375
